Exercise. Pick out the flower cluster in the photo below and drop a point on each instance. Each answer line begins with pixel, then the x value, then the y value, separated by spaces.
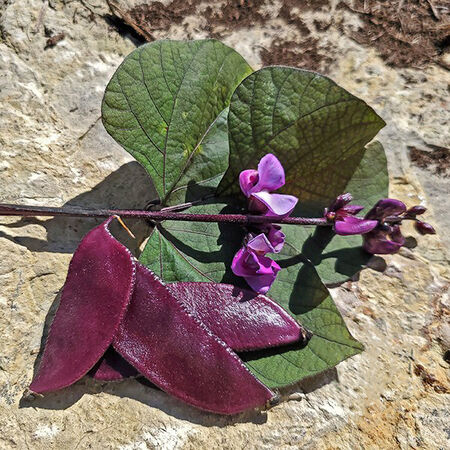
pixel 251 261
pixel 386 237
pixel 381 225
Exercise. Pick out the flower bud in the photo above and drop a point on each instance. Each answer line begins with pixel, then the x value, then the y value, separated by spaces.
pixel 341 201
pixel 424 227
pixel 416 210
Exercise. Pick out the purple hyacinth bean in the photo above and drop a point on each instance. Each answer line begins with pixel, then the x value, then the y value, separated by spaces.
pixel 243 320
pixel 112 367
pixel 95 296
pixel 182 356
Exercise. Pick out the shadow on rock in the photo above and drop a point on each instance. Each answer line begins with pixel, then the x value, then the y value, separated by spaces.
pixel 143 391
pixel 129 187
pixel 310 384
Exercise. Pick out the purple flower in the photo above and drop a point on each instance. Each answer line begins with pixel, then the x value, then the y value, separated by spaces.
pixel 385 238
pixel 268 177
pixel 250 261
pixel 343 216
pixel 258 270
pixel 258 184
pixel 271 240
pixel 276 237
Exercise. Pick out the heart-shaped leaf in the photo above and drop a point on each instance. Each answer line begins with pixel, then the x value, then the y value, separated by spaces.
pixel 318 131
pixel 165 105
pixel 312 125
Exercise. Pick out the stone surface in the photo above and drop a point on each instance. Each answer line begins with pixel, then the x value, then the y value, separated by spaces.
pixel 54 151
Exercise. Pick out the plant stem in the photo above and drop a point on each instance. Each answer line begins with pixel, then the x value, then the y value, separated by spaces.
pixel 70 211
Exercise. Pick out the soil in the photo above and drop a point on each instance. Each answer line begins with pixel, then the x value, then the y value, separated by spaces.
pixel 406 33
pixel 436 159
pixel 411 33
pixel 234 14
pixel 304 53
pixel 231 16
pixel 296 54
pixel 155 16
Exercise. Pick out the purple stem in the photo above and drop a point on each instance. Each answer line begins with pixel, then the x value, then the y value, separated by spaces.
pixel 70 211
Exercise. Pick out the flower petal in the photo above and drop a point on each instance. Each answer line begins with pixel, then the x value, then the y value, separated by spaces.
pixel 271 174
pixel 396 235
pixel 244 263
pixel 380 246
pixel 276 205
pixel 377 242
pixel 259 271
pixel 354 225
pixel 261 283
pixel 276 238
pixel 351 209
pixel 247 181
pixel 386 207
pixel 260 244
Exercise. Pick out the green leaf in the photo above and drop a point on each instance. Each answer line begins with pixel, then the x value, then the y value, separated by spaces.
pixel 165 105
pixel 318 131
pixel 315 128
pixel 194 251
pixel 299 290
pixel 370 180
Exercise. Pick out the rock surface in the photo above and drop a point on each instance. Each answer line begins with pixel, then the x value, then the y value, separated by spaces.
pixel 54 151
